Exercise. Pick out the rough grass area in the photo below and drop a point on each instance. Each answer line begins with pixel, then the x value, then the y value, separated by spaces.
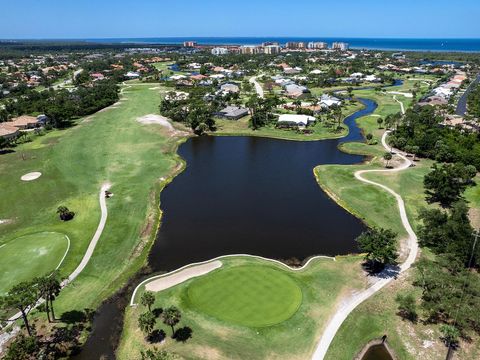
pixel 107 146
pixel 31 255
pixel 231 335
pixel 254 296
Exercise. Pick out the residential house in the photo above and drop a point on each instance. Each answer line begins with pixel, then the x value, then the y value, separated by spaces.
pixel 294 90
pixel 8 131
pixel 295 120
pixel 230 88
pixel 232 112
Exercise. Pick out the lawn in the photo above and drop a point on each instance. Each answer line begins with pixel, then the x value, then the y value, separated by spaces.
pixel 250 309
pixel 30 255
pixel 107 146
pixel 255 296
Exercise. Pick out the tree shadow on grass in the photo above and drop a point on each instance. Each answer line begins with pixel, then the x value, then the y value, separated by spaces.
pixel 183 334
pixel 157 336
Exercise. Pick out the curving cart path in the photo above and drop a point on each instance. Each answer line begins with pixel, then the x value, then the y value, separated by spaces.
pixel 386 276
pixel 86 258
pixel 258 87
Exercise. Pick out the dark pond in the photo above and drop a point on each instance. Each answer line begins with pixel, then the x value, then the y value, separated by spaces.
pixel 377 352
pixel 243 195
pixel 249 195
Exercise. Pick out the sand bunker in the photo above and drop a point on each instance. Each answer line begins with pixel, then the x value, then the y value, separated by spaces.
pixel 5 221
pixel 407 95
pixel 178 277
pixel 156 119
pixel 31 176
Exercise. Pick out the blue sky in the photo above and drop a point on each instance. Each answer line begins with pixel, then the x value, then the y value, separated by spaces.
pixel 162 18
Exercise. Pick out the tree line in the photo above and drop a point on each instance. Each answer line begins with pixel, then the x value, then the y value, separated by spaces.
pixel 62 106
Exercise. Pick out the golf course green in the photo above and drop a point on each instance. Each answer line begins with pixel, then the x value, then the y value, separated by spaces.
pixel 31 255
pixel 254 296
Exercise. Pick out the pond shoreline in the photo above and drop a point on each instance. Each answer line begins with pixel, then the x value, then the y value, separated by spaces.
pixel 118 299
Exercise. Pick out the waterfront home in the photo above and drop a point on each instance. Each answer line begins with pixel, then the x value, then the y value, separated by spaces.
pixel 8 132
pixel 327 101
pixel 232 112
pixel 294 120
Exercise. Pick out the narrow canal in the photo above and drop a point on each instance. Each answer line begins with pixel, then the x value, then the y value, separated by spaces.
pixel 243 195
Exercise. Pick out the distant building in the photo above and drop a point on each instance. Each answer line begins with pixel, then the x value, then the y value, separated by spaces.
pixel 271 49
pixel 342 46
pixel 268 43
pixel 250 49
pixel 232 112
pixel 317 45
pixel 295 45
pixel 189 44
pixel 219 51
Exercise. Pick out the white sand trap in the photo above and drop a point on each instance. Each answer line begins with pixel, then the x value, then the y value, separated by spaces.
pixel 4 221
pixel 179 277
pixel 407 95
pixel 31 176
pixel 156 119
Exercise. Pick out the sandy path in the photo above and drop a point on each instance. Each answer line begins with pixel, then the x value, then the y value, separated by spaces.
pixel 168 281
pixel 401 105
pixel 258 87
pixel 86 258
pixel 385 276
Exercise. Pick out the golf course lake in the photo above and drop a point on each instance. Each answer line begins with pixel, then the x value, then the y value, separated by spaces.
pixel 252 195
pixel 243 195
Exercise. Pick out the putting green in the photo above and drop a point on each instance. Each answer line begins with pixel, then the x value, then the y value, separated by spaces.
pixel 254 296
pixel 31 255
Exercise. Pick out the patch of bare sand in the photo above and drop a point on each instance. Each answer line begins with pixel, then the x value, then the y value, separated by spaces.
pixel 168 281
pixel 31 176
pixel 156 119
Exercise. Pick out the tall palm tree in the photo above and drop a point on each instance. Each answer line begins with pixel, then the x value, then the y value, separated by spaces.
pixel 171 316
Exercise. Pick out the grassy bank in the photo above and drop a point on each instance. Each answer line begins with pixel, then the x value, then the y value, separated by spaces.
pixel 242 330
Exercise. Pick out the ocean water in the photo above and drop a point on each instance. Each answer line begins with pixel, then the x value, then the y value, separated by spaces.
pixel 463 45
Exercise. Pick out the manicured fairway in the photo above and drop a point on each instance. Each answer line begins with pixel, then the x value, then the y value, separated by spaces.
pixel 254 296
pixel 31 255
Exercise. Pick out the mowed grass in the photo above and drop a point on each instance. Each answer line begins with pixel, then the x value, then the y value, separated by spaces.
pixel 251 292
pixel 253 296
pixel 30 255
pixel 377 316
pixel 110 146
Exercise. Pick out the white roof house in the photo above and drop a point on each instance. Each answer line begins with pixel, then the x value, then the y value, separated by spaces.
pixel 132 75
pixel 316 72
pixel 328 101
pixel 293 119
